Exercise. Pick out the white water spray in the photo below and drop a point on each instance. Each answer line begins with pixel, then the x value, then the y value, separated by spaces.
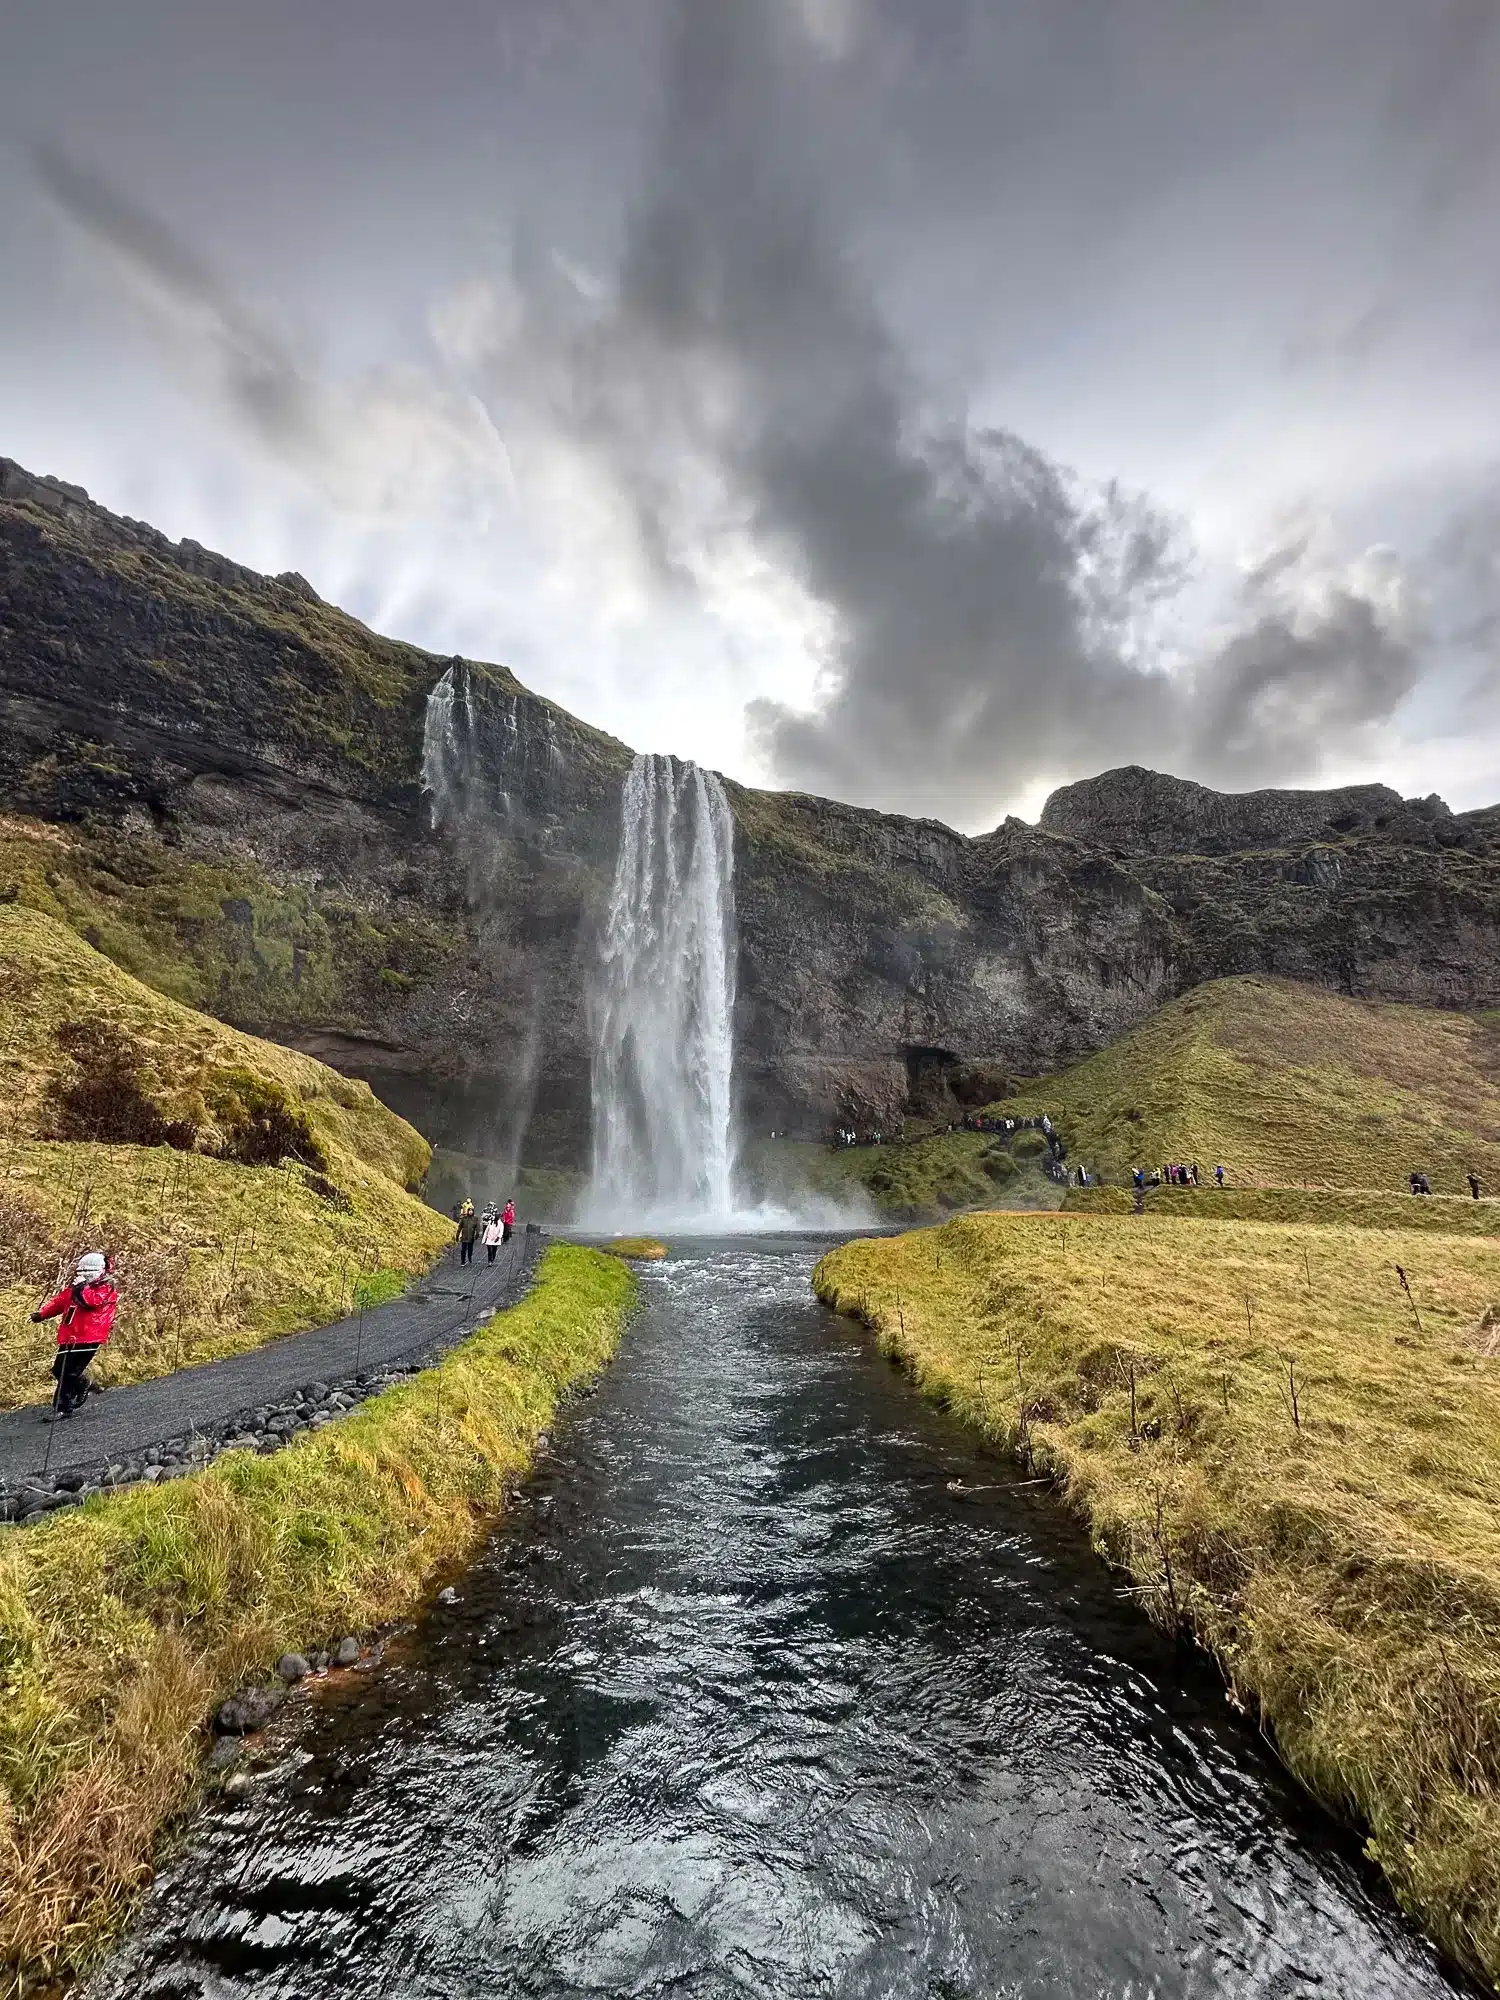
pixel 664 1007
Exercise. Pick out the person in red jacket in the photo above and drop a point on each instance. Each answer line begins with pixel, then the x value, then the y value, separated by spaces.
pixel 87 1307
pixel 507 1220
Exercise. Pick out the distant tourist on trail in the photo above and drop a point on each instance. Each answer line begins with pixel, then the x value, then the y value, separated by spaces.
pixel 1138 1176
pixel 494 1236
pixel 1475 1187
pixel 508 1218
pixel 1420 1183
pixel 468 1232
pixel 1218 1177
pixel 87 1309
pixel 1195 1173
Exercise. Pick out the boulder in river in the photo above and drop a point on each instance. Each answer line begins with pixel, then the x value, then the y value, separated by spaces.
pixel 292 1667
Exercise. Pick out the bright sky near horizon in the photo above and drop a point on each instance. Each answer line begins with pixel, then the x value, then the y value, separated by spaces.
pixel 918 401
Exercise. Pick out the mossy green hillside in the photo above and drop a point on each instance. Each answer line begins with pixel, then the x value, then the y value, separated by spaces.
pixel 123 1623
pixel 220 935
pixel 1285 1085
pixel 217 1255
pixel 1290 1454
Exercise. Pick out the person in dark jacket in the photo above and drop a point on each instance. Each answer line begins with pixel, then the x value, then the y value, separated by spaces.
pixel 468 1232
pixel 86 1309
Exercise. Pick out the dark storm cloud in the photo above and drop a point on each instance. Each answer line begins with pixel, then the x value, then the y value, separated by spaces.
pixel 990 616
pixel 1295 680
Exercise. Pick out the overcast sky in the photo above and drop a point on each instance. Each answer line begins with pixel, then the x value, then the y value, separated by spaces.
pixel 922 401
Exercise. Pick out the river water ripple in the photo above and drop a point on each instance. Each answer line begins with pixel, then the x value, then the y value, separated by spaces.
pixel 749 1698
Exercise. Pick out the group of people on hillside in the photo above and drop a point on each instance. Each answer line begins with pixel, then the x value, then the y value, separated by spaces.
pixel 1174 1174
pixel 492 1229
pixel 972 1121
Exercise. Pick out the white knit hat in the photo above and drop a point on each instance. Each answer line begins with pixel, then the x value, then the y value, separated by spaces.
pixel 90 1265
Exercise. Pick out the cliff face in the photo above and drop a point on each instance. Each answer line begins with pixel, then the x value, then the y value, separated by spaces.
pixel 220 781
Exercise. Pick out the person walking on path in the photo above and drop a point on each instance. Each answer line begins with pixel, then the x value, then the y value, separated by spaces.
pixel 508 1218
pixel 87 1311
pixel 468 1232
pixel 1475 1186
pixel 495 1234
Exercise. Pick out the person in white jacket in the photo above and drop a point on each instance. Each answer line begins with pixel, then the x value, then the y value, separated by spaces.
pixel 494 1235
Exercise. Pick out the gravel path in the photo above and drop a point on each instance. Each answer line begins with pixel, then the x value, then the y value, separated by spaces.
pixel 448 1302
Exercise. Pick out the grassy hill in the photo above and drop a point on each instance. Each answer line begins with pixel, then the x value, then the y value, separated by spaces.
pixel 249 1190
pixel 1287 1085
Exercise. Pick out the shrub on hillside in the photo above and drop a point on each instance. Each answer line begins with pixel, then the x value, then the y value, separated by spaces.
pixel 259 1122
pixel 103 1097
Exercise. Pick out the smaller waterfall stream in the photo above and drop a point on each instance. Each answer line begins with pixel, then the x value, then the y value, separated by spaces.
pixel 664 1006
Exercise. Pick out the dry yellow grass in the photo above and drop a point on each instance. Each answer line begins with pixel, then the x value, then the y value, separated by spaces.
pixel 1334 1208
pixel 217 1256
pixel 1287 1085
pixel 1309 1480
pixel 122 1624
pixel 637 1249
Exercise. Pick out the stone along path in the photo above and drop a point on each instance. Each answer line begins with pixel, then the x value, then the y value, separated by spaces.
pixel 222 1399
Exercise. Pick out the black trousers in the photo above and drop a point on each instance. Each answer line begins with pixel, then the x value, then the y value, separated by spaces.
pixel 505 1229
pixel 465 1252
pixel 70 1365
pixel 489 1251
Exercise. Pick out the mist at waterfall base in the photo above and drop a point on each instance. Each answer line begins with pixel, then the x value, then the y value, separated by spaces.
pixel 662 1018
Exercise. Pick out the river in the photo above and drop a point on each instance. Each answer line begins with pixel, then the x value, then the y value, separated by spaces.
pixel 774 1685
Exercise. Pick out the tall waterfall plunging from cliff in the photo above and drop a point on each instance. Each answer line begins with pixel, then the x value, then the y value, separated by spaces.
pixel 664 1005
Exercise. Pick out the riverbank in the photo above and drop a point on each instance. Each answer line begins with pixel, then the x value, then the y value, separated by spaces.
pixel 124 1623
pixel 1294 1457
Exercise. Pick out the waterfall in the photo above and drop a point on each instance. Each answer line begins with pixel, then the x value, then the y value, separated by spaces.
pixel 664 1005
pixel 442 753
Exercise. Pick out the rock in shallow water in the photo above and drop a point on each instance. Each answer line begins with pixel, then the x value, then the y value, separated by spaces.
pixel 247 1711
pixel 292 1667
pixel 346 1652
